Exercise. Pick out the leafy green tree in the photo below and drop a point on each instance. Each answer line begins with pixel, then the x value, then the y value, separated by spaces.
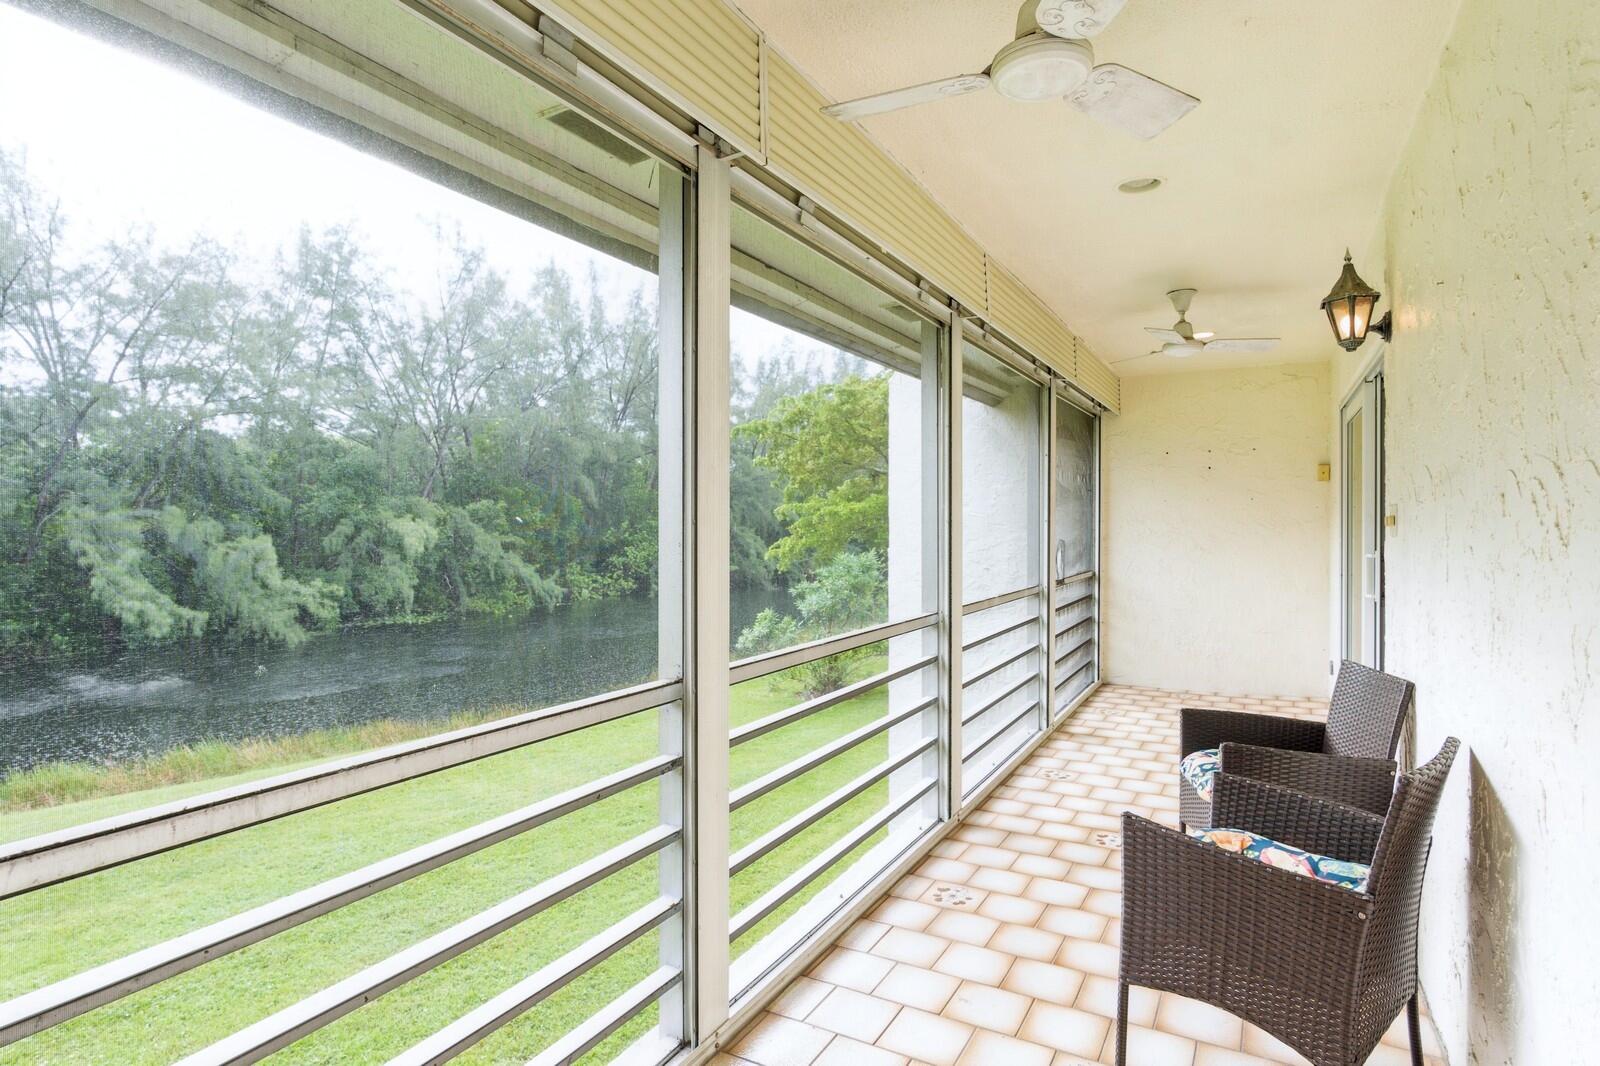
pixel 830 450
pixel 846 593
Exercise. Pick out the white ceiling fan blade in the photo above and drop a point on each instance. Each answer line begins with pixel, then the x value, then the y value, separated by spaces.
pixel 1242 344
pixel 1130 101
pixel 1131 358
pixel 1166 336
pixel 1077 18
pixel 850 110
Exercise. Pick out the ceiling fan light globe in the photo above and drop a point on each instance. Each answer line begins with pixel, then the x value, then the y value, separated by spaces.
pixel 1041 67
pixel 1184 350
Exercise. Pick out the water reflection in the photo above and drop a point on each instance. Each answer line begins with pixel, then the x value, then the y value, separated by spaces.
pixel 149 700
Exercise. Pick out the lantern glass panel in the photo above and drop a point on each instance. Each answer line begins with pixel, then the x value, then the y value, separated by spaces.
pixel 1362 316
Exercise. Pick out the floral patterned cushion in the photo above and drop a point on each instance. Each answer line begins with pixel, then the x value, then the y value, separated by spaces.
pixel 1199 768
pixel 1351 875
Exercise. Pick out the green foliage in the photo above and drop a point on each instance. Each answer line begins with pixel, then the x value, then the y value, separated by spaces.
pixel 195 445
pixel 848 592
pixel 109 546
pixel 830 448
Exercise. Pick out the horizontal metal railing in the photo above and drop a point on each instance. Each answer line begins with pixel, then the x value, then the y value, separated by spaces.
pixel 776 779
pixel 793 826
pixel 796 882
pixel 789 715
pixel 528 993
pixel 59 856
pixel 1070 652
pixel 1063 681
pixel 1081 575
pixel 1086 620
pixel 976 606
pixel 973 714
pixel 989 671
pixel 1070 604
pixel 579 1041
pixel 283 1028
pixel 978 642
pixel 801 654
pixel 58 1002
pixel 1000 730
pixel 788 830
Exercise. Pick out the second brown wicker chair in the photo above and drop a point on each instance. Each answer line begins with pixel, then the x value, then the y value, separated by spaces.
pixel 1349 760
pixel 1323 968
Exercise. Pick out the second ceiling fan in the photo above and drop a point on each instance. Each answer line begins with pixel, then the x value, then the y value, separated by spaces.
pixel 1180 341
pixel 1052 59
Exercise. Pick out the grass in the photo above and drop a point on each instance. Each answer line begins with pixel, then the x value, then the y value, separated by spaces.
pixel 59 931
pixel 57 783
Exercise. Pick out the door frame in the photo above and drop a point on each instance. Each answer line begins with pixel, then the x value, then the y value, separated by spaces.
pixel 1366 397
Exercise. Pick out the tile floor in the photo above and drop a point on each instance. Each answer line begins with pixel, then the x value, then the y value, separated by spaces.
pixel 1001 948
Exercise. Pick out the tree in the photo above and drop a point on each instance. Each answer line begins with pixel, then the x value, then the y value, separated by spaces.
pixel 830 449
pixel 847 593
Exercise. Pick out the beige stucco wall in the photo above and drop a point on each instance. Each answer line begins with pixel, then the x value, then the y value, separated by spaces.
pixel 1493 443
pixel 1215 532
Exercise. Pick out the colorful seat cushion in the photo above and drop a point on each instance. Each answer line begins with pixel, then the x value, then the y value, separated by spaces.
pixel 1199 768
pixel 1351 875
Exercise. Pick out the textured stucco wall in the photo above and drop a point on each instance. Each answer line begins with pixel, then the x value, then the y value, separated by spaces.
pixel 1215 532
pixel 1493 445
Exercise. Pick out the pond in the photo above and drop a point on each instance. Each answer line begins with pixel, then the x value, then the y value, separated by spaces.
pixel 149 700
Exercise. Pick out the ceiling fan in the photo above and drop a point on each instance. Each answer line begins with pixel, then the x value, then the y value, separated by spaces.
pixel 1181 341
pixel 1051 59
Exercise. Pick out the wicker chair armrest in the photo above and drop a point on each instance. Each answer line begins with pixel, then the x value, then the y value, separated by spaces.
pixel 1299 819
pixel 1196 917
pixel 1200 728
pixel 1366 784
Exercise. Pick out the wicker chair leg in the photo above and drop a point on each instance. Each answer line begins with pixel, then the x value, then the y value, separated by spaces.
pixel 1414 1022
pixel 1122 1023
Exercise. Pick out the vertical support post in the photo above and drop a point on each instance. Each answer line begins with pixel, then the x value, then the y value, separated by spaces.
pixel 1097 582
pixel 914 496
pixel 1047 566
pixel 950 583
pixel 708 681
pixel 674 620
pixel 701 724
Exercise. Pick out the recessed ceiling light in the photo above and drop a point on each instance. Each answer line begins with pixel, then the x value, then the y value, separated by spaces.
pixel 1140 185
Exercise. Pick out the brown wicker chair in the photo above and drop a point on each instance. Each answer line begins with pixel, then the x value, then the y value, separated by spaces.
pixel 1349 760
pixel 1323 968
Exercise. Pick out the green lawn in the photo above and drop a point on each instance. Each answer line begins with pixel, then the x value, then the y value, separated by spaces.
pixel 56 932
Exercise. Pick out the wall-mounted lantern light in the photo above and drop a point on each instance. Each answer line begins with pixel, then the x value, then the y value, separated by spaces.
pixel 1350 306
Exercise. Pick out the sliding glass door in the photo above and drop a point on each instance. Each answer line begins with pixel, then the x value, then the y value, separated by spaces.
pixel 1075 461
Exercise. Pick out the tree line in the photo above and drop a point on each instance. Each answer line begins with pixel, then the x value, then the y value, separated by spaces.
pixel 194 444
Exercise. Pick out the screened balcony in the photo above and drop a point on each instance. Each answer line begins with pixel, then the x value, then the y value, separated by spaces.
pixel 526 538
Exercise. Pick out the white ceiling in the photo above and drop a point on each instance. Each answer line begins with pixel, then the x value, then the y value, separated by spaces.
pixel 1303 113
